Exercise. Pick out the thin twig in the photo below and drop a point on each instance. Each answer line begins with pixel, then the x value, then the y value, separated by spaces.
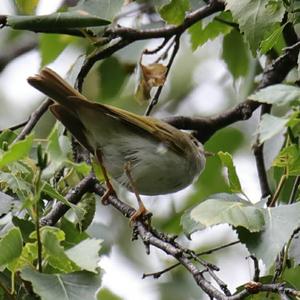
pixel 157 49
pixel 210 251
pixel 7 292
pixel 294 190
pixel 154 101
pixel 34 118
pixel 94 57
pixel 279 188
pixel 223 286
pixel 231 24
pixel 15 127
pixel 127 36
pixel 206 127
pixel 256 268
pixel 167 31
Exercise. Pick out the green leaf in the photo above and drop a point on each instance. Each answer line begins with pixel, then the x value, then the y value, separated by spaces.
pixel 86 254
pixel 7 136
pixel 291 276
pixel 17 151
pixel 14 183
pixel 59 146
pixel 51 45
pixel 49 190
pixel 55 22
pixel 74 286
pixel 105 294
pixel 6 204
pixel 289 158
pixel 112 78
pixel 199 34
pixel 54 253
pixel 72 235
pixel 277 94
pixel 28 257
pixel 268 43
pixel 26 227
pixel 238 60
pixel 104 9
pixel 88 204
pixel 174 12
pixel 280 224
pixel 26 7
pixel 81 168
pixel 256 18
pixel 10 246
pixel 270 126
pixel 234 181
pixel 223 209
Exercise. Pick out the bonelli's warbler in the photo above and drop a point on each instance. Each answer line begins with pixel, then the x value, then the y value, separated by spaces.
pixel 144 154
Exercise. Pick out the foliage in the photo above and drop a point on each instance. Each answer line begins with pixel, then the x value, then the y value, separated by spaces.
pixel 38 172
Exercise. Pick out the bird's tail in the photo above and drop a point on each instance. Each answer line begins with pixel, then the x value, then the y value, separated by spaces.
pixel 55 87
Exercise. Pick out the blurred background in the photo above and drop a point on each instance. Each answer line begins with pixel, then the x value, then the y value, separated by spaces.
pixel 199 84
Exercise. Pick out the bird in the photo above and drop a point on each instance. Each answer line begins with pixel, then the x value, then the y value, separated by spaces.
pixel 144 154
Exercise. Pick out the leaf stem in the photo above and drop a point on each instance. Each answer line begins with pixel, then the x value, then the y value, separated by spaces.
pixel 37 219
pixel 278 190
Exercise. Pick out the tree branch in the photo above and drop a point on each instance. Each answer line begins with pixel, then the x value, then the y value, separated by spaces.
pixel 169 31
pixel 206 127
pixel 73 196
pixel 127 36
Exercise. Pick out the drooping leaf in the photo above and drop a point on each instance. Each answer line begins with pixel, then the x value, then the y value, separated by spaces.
pixel 223 209
pixel 238 60
pixel 174 12
pixel 280 224
pixel 289 158
pixel 10 246
pixel 149 76
pixel 234 182
pixel 86 254
pixel 277 94
pixel 17 151
pixel 75 286
pixel 256 18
